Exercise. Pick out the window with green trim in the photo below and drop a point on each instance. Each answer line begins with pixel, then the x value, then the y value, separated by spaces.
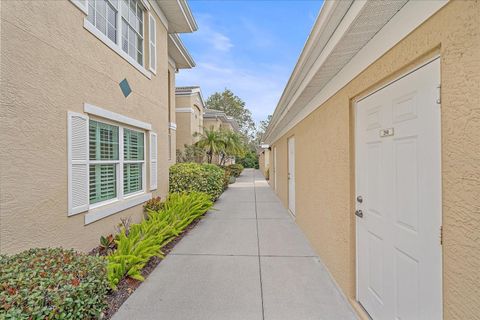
pixel 114 174
pixel 103 141
pixel 134 160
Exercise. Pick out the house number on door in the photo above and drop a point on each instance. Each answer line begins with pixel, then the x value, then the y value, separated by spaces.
pixel 386 132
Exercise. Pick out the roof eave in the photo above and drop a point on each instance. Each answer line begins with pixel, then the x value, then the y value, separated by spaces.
pixel 378 27
pixel 326 12
pixel 192 91
pixel 179 53
pixel 179 16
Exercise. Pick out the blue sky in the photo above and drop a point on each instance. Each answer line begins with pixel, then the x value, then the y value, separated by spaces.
pixel 249 47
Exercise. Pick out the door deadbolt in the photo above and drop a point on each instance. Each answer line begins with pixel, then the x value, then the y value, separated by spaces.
pixel 359 199
pixel 359 213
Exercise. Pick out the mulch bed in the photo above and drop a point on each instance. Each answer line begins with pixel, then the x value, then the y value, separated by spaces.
pixel 127 285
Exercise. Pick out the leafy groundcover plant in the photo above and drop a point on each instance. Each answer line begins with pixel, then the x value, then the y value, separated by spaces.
pixel 208 178
pixel 145 239
pixel 52 284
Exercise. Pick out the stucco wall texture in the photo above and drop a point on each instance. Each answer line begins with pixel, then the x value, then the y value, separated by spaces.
pixel 325 173
pixel 188 123
pixel 264 161
pixel 261 162
pixel 51 65
pixel 184 131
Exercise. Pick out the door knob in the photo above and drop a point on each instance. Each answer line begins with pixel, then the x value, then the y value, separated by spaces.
pixel 359 213
pixel 359 199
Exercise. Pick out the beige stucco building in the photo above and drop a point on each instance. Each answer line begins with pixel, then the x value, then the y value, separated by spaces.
pixel 264 160
pixel 88 115
pixel 189 115
pixel 375 146
pixel 218 120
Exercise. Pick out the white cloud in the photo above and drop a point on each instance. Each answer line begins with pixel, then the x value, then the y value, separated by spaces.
pixel 220 42
pixel 260 89
pixel 210 37
pixel 218 67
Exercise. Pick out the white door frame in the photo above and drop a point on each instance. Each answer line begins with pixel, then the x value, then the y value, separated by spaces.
pixel 291 175
pixel 354 105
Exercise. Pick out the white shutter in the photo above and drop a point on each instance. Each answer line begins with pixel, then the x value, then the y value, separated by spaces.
pixel 77 163
pixel 153 161
pixel 152 35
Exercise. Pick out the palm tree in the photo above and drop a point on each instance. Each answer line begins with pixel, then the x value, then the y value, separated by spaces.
pixel 234 145
pixel 212 141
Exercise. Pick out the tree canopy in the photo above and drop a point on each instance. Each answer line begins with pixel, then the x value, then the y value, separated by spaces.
pixel 225 144
pixel 262 127
pixel 234 107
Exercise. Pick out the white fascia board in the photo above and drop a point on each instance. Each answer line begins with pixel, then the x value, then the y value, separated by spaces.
pixel 185 110
pixel 159 12
pixel 324 16
pixel 103 113
pixel 198 91
pixel 354 11
pixel 187 61
pixel 187 13
pixel 412 15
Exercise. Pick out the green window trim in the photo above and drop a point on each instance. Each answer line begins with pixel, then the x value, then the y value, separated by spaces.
pixel 133 145
pixel 132 177
pixel 103 140
pixel 103 182
pixel 106 163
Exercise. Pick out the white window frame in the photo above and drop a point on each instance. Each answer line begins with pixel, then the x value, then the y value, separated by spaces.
pixel 81 6
pixel 143 162
pixel 119 165
pixel 117 47
pixel 108 207
pixel 93 162
pixel 119 19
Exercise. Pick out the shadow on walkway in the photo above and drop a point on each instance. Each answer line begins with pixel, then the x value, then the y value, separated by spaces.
pixel 245 260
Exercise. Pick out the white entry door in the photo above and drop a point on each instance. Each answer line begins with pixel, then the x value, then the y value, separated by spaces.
pixel 398 185
pixel 291 175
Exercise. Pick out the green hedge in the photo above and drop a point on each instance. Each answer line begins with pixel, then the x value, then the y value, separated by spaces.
pixel 52 284
pixel 235 169
pixel 208 178
pixel 144 240
pixel 250 160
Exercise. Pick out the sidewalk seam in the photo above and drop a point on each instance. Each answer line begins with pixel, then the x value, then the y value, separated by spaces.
pixel 258 244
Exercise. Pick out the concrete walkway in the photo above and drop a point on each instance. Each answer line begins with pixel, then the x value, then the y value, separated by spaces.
pixel 246 260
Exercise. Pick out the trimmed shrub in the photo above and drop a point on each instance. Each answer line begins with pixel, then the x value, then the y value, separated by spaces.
pixel 188 177
pixel 227 178
pixel 145 239
pixel 236 169
pixel 250 160
pixel 52 283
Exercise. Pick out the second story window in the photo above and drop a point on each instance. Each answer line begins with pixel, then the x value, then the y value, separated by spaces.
pixel 132 29
pixel 103 15
pixel 120 25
